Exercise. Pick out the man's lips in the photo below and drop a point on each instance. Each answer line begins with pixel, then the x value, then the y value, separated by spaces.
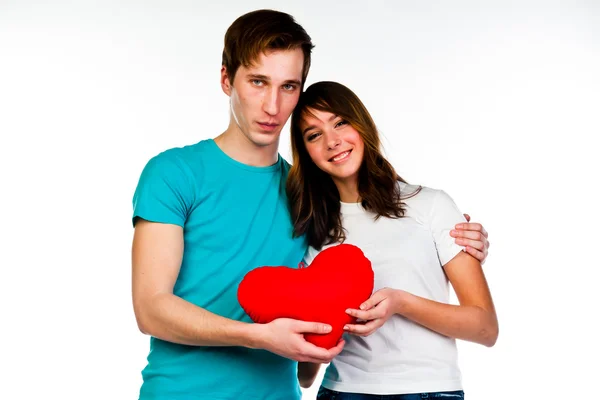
pixel 268 126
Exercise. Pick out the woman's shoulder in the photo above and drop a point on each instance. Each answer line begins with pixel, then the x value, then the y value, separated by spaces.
pixel 423 200
pixel 417 193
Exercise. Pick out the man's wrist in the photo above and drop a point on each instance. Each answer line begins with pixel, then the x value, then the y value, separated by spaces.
pixel 252 336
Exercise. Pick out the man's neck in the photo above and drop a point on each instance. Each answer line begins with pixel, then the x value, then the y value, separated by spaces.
pixel 237 146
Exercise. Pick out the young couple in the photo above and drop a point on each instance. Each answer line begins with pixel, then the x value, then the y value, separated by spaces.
pixel 206 214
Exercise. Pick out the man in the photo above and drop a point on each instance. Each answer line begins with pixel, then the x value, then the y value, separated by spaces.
pixel 206 214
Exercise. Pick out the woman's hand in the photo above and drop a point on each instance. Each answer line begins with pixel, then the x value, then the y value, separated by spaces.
pixel 374 312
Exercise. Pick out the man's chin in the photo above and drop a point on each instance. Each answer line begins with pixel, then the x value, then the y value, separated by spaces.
pixel 263 139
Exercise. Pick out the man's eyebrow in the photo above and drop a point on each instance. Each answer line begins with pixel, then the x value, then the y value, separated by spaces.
pixel 266 78
pixel 258 76
pixel 294 81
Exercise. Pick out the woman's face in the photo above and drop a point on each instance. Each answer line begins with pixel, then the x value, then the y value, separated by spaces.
pixel 333 145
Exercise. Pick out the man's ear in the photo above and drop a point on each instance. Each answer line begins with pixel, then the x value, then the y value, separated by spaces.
pixel 225 82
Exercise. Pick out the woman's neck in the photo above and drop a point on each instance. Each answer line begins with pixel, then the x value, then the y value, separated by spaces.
pixel 348 190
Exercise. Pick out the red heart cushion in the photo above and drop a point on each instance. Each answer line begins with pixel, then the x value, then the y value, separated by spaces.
pixel 340 277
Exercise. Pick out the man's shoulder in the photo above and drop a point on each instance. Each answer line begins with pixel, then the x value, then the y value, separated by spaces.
pixel 187 157
pixel 177 163
pixel 184 152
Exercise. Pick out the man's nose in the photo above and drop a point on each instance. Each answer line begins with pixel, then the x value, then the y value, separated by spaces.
pixel 271 101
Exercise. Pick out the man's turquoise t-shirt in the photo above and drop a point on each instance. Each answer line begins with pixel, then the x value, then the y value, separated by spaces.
pixel 235 218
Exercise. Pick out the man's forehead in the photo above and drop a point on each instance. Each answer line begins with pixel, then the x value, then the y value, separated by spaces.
pixel 280 65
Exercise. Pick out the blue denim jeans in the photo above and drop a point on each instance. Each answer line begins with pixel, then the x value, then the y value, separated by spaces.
pixel 326 394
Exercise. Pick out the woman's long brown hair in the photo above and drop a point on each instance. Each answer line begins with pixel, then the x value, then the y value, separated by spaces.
pixel 313 197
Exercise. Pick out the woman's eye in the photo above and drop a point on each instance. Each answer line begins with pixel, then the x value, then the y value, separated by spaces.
pixel 312 136
pixel 341 123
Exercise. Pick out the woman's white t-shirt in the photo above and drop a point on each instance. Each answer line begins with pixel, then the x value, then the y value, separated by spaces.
pixel 406 253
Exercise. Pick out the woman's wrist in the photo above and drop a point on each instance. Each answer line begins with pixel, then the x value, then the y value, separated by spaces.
pixel 401 301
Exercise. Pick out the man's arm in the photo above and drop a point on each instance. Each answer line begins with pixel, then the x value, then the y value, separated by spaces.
pixel 157 253
pixel 307 372
pixel 156 259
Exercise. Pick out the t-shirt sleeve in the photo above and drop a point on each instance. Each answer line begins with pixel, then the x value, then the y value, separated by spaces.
pixel 444 216
pixel 164 192
pixel 310 255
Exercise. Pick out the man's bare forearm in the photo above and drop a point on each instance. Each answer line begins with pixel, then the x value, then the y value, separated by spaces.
pixel 171 318
pixel 307 373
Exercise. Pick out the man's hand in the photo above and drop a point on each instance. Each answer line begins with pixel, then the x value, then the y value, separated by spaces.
pixel 474 237
pixel 285 337
pixel 374 312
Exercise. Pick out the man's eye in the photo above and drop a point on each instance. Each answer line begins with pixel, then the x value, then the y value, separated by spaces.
pixel 289 87
pixel 257 82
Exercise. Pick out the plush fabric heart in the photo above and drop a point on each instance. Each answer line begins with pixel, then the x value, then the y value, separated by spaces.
pixel 340 277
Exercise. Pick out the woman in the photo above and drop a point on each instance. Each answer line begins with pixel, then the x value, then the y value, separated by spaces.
pixel 342 189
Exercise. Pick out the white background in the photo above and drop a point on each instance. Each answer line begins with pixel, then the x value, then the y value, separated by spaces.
pixel 496 102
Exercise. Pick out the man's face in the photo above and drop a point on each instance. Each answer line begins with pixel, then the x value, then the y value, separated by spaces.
pixel 264 95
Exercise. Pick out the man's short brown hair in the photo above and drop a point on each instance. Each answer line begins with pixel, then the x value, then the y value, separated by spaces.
pixel 259 31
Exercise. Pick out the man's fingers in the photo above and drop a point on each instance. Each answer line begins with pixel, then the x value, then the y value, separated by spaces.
pixel 469 226
pixel 484 232
pixel 311 327
pixel 312 353
pixel 468 234
pixel 334 351
pixel 318 360
pixel 315 360
pixel 476 253
pixel 472 243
